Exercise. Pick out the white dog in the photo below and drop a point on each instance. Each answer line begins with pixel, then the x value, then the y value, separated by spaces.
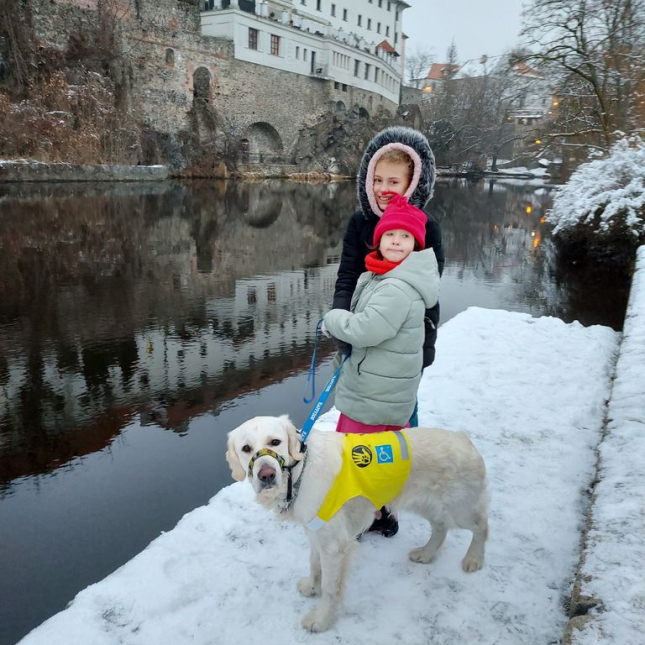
pixel 446 485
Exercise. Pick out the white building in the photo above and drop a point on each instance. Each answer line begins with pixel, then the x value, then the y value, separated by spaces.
pixel 357 43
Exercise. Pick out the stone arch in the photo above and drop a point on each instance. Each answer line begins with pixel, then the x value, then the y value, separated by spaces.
pixel 363 113
pixel 201 86
pixel 261 204
pixel 170 57
pixel 265 144
pixel 340 107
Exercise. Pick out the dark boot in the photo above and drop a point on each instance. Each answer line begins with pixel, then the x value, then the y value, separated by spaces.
pixel 387 525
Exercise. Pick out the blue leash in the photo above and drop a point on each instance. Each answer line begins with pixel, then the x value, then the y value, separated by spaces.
pixel 315 413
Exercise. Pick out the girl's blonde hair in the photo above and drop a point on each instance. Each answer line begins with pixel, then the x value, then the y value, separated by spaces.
pixel 399 157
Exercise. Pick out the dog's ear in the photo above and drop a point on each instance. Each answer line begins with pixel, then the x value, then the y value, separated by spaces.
pixel 239 474
pixel 294 438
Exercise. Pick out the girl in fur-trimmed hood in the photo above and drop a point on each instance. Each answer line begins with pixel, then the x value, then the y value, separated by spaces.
pixel 394 142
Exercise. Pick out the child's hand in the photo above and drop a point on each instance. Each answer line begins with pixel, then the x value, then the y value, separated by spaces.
pixel 342 347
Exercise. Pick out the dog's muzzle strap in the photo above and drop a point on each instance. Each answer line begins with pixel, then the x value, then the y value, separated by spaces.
pixel 283 467
pixel 261 453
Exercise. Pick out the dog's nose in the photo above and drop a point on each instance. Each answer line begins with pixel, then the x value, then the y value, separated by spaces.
pixel 266 475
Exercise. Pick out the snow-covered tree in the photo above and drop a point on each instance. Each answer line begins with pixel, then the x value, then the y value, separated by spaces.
pixel 602 206
pixel 594 51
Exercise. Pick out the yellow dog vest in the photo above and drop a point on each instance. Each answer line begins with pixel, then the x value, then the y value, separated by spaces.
pixel 375 466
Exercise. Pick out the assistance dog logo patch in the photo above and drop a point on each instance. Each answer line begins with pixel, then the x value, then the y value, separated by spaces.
pixel 361 456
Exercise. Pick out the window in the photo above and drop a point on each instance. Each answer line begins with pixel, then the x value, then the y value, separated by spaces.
pixel 378 27
pixel 344 87
pixel 333 10
pixel 253 38
pixel 380 4
pixel 367 71
pixel 360 19
pixel 376 74
pixel 303 2
pixel 170 57
pixel 389 6
pixel 345 15
pixel 357 64
pixel 387 32
pixel 304 54
pixel 275 45
pixel 297 51
pixel 369 23
pixel 318 2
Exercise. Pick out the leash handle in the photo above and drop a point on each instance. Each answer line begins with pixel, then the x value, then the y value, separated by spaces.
pixel 315 413
pixel 311 377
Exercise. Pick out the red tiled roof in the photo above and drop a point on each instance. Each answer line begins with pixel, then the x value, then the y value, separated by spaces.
pixel 523 68
pixel 385 46
pixel 438 71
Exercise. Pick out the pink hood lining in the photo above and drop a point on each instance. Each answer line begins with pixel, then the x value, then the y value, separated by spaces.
pixel 369 181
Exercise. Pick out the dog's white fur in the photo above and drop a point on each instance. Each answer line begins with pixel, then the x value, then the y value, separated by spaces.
pixel 447 486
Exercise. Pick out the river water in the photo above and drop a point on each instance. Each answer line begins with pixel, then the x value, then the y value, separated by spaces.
pixel 140 323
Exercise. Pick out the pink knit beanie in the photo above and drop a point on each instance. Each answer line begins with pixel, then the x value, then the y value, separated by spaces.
pixel 399 214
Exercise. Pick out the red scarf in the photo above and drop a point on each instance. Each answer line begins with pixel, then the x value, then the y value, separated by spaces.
pixel 373 264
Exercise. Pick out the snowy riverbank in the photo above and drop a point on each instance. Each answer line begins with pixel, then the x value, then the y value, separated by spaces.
pixel 25 170
pixel 531 393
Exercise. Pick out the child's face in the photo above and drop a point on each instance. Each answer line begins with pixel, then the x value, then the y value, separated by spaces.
pixel 396 245
pixel 390 176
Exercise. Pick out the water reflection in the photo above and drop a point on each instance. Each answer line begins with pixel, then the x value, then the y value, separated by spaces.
pixel 133 315
pixel 165 301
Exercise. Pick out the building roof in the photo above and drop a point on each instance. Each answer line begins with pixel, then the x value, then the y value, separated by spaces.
pixel 386 47
pixel 523 68
pixel 439 71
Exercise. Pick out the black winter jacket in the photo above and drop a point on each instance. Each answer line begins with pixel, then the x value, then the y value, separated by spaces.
pixel 360 230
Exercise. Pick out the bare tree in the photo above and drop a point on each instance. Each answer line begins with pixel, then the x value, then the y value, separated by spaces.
pixel 594 50
pixel 417 66
pixel 473 114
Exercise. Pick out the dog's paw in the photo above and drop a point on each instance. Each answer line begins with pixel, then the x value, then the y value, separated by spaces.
pixel 307 588
pixel 422 556
pixel 471 563
pixel 318 620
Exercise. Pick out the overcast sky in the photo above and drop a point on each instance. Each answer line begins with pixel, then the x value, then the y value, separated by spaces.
pixel 477 26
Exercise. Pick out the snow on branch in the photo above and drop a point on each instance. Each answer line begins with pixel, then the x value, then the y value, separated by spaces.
pixel 606 195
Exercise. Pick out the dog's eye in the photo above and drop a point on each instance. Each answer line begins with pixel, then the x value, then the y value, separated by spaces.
pixel 246 448
pixel 275 442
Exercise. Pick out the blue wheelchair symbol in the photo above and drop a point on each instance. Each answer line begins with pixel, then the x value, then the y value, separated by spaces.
pixel 384 454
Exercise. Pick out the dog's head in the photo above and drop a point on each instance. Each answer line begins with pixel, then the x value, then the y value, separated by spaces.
pixel 275 434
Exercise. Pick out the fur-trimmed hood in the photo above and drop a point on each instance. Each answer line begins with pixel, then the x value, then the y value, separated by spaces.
pixel 410 141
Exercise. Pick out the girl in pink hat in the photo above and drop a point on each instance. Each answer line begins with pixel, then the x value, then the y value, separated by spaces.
pixel 385 325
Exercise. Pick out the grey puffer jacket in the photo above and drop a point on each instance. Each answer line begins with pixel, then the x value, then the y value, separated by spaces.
pixel 385 327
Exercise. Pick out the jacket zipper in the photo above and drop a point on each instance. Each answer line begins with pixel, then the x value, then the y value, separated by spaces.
pixel 358 367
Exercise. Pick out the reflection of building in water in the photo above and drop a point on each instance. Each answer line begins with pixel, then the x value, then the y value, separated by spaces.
pixel 264 317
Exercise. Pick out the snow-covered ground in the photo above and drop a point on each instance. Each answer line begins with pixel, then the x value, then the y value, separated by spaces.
pixel 531 393
pixel 612 571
